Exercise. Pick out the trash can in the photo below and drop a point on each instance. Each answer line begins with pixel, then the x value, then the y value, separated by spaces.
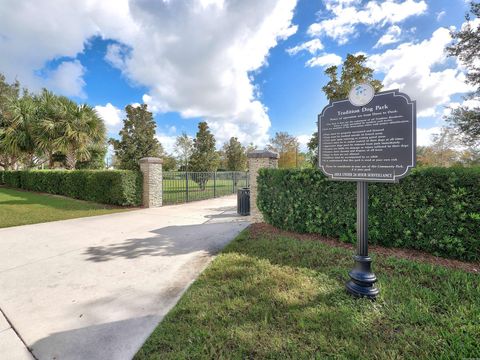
pixel 243 201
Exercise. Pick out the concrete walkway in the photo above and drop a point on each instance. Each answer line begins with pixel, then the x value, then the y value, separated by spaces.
pixel 95 288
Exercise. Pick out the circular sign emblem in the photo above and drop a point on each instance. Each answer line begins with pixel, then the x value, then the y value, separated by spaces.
pixel 361 94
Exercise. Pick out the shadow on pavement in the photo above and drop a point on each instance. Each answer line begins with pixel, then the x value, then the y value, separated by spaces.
pixel 168 241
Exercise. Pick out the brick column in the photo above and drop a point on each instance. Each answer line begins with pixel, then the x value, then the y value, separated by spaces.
pixel 256 160
pixel 151 167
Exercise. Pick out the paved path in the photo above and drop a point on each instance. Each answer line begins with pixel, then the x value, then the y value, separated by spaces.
pixel 95 288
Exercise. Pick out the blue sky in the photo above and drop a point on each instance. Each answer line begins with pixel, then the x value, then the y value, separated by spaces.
pixel 248 68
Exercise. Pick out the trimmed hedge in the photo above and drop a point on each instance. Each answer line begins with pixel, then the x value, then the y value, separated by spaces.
pixel 114 187
pixel 436 210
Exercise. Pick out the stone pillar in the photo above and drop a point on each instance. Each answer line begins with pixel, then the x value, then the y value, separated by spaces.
pixel 151 167
pixel 256 160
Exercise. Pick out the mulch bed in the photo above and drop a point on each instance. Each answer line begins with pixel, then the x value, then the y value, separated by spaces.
pixel 269 231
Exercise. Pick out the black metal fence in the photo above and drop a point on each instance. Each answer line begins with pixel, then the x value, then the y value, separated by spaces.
pixel 180 187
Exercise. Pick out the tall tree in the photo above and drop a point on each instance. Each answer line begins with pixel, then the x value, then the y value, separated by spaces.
pixel 34 129
pixel 287 147
pixel 169 162
pixel 222 159
pixel 466 47
pixel 446 150
pixel 183 150
pixel 8 94
pixel 48 131
pixel 442 152
pixel 97 158
pixel 470 156
pixel 137 138
pixel 204 157
pixel 444 145
pixel 235 156
pixel 18 131
pixel 354 71
pixel 467 122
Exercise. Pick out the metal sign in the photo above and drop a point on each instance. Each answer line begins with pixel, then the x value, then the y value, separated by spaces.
pixel 368 137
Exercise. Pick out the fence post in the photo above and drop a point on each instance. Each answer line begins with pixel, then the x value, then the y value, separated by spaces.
pixel 258 159
pixel 233 183
pixel 214 184
pixel 186 186
pixel 151 167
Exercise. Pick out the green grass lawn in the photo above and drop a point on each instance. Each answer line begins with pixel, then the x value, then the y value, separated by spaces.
pixel 285 299
pixel 174 190
pixel 22 207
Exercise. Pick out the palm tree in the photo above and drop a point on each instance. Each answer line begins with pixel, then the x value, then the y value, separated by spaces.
pixel 8 93
pixel 18 127
pixel 49 112
pixel 80 128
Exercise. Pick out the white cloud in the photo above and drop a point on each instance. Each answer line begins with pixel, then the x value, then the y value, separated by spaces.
pixel 35 32
pixel 424 135
pixel 206 73
pixel 473 24
pixel 167 141
pixel 469 104
pixel 115 55
pixel 324 60
pixel 303 141
pixel 347 15
pixel 195 57
pixel 67 79
pixel 112 117
pixel 390 37
pixel 440 15
pixel 312 46
pixel 420 70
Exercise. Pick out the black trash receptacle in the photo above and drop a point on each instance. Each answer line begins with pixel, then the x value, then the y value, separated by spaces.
pixel 243 201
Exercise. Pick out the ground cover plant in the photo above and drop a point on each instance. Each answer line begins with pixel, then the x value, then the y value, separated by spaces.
pixel 22 207
pixel 274 296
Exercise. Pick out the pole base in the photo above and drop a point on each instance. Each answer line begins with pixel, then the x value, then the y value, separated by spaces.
pixel 362 283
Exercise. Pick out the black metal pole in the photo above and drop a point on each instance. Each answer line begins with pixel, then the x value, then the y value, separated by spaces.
pixel 233 183
pixel 362 279
pixel 215 184
pixel 186 186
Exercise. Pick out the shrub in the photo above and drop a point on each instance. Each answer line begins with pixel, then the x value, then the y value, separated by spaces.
pixel 436 210
pixel 114 187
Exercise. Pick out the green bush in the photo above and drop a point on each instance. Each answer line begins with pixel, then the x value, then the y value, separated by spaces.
pixel 114 187
pixel 436 210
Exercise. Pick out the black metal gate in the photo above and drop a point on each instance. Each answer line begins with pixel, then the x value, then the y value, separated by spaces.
pixel 179 187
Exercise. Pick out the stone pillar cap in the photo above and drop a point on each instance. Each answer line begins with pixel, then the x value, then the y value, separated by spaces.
pixel 265 154
pixel 151 160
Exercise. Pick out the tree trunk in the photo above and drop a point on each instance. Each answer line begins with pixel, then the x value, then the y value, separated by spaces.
pixel 71 160
pixel 30 163
pixel 8 162
pixel 51 163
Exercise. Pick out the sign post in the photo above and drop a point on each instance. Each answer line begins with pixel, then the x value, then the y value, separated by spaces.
pixel 367 138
